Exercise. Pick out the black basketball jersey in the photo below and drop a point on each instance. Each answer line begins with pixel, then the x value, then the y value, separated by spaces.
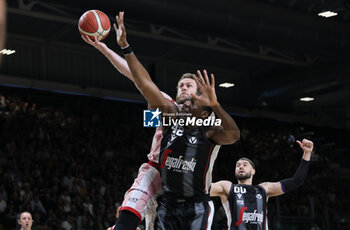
pixel 186 161
pixel 246 208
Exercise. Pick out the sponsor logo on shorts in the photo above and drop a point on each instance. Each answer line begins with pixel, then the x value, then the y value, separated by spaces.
pixel 133 199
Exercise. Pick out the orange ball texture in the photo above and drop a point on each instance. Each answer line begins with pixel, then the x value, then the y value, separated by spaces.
pixel 94 23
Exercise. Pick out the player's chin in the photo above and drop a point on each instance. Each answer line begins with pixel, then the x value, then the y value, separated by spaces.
pixel 180 99
pixel 242 176
pixel 183 97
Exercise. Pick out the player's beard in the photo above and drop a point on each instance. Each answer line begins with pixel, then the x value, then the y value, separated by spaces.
pixel 180 99
pixel 244 176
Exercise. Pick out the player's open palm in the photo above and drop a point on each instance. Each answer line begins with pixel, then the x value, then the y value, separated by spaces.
pixel 95 43
pixel 207 89
pixel 120 30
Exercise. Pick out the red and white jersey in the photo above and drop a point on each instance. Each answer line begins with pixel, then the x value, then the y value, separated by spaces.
pixel 157 138
pixel 155 148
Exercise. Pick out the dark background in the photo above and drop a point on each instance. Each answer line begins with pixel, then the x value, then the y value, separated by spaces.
pixel 62 112
pixel 275 52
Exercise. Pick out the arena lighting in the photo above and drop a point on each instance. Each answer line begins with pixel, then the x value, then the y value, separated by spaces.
pixel 327 14
pixel 307 99
pixel 7 52
pixel 226 85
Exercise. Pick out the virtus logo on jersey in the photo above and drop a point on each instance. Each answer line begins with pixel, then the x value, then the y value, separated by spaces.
pixel 239 191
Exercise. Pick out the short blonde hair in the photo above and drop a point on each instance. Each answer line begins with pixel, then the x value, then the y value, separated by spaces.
pixel 190 76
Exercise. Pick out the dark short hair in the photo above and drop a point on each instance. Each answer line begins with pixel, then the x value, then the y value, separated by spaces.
pixel 246 159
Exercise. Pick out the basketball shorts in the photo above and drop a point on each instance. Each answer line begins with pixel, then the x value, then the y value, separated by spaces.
pixel 180 214
pixel 143 191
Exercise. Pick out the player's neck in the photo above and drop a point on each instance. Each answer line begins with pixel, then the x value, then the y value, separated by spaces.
pixel 248 181
pixel 25 228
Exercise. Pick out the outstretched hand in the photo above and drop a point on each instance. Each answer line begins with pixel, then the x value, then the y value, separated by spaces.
pixel 95 43
pixel 306 145
pixel 120 30
pixel 207 89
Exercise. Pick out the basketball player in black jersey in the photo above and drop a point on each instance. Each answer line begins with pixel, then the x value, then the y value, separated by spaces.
pixel 187 153
pixel 245 204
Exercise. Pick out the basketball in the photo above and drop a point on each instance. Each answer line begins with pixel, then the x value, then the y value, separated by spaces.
pixel 94 23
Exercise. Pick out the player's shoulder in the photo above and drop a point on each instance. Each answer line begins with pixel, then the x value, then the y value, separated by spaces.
pixel 224 183
pixel 165 95
pixel 264 186
pixel 220 188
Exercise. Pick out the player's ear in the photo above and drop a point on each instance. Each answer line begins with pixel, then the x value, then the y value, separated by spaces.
pixel 204 114
pixel 253 172
pixel 19 221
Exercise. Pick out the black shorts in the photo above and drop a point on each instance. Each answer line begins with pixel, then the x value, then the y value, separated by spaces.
pixel 184 214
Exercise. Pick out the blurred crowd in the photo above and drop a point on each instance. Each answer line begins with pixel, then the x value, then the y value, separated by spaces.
pixel 69 160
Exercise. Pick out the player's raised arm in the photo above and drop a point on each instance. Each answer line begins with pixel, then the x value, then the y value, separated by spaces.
pixel 221 189
pixel 117 61
pixel 228 133
pixel 94 26
pixel 287 185
pixel 141 77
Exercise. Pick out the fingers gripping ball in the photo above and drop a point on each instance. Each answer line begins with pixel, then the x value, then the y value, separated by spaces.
pixel 94 23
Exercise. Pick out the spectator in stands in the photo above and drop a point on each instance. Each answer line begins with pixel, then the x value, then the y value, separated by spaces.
pixel 36 205
pixel 25 221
